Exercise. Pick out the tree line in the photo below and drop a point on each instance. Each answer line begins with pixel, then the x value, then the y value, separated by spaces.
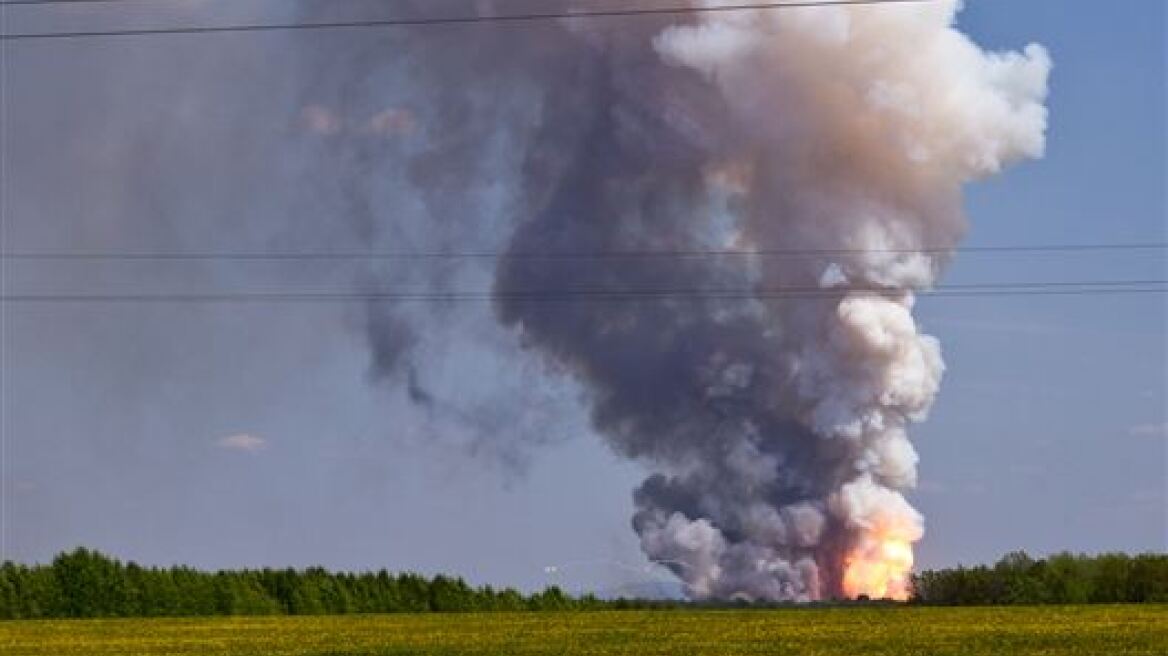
pixel 1060 579
pixel 85 583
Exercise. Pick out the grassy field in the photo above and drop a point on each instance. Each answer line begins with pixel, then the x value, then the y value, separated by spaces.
pixel 1090 631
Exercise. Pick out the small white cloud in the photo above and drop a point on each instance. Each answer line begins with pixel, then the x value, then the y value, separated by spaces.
pixel 243 442
pixel 1149 430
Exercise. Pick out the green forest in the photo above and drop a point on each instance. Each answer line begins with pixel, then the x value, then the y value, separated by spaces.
pixel 85 583
pixel 1060 579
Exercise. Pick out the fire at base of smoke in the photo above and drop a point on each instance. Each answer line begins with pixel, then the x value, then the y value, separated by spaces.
pixel 776 429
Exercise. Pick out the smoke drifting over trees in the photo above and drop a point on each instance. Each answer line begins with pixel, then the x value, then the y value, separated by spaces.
pixel 775 428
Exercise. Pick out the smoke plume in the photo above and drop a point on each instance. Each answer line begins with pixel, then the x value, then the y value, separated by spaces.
pixel 827 147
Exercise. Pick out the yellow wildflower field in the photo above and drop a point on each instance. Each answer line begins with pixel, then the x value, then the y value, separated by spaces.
pixel 873 631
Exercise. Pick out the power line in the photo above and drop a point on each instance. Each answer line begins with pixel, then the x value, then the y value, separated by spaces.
pixel 1082 288
pixel 50 3
pixel 569 255
pixel 63 2
pixel 452 20
pixel 385 298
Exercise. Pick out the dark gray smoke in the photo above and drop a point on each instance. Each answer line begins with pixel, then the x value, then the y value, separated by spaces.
pixel 775 426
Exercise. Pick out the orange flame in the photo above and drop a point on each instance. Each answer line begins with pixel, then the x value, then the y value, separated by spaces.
pixel 879 568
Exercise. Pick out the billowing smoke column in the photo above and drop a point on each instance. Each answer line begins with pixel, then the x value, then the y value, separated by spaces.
pixel 840 137
pixel 827 147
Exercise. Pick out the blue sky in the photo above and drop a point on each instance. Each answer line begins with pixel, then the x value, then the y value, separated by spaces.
pixel 123 425
pixel 1049 433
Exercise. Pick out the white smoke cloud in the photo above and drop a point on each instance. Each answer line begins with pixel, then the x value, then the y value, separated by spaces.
pixel 243 442
pixel 776 428
pixel 863 125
